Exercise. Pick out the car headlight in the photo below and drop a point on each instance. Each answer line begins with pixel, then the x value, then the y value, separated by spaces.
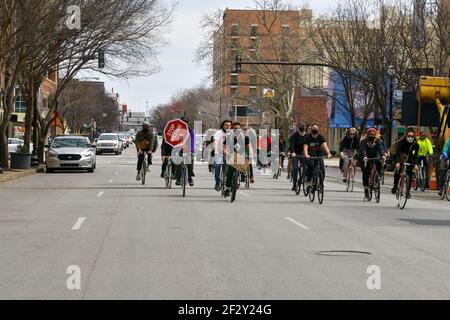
pixel 87 154
pixel 52 154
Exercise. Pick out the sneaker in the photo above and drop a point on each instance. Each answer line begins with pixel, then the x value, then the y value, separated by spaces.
pixel 366 193
pixel 344 180
pixel 288 177
pixel 441 192
pixel 217 187
pixel 163 175
pixel 408 195
pixel 394 190
pixel 138 177
pixel 178 183
pixel 294 188
pixel 227 192
pixel 252 180
pixel 191 182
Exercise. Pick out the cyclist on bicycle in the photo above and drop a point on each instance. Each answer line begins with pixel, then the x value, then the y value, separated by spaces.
pixel 251 134
pixel 297 142
pixel 371 148
pixel 405 151
pixel 348 149
pixel 314 146
pixel 220 141
pixel 444 166
pixel 425 152
pixel 239 137
pixel 190 148
pixel 144 141
pixel 282 150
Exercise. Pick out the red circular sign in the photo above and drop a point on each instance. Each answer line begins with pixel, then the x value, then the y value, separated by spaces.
pixel 176 133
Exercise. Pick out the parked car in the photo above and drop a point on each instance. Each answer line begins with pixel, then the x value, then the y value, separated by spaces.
pixel 124 139
pixel 71 152
pixel 13 143
pixel 109 143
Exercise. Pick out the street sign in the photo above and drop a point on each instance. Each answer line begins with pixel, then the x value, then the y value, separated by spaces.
pixel 268 93
pixel 176 133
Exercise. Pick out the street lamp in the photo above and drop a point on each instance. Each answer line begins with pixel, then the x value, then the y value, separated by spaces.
pixel 391 74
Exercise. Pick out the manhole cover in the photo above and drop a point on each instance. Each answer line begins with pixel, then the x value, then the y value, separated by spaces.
pixel 342 253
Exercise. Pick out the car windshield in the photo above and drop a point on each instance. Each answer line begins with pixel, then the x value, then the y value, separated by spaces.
pixel 121 136
pixel 108 137
pixel 70 143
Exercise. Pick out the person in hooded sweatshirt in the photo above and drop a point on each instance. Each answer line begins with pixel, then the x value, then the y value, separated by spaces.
pixel 406 150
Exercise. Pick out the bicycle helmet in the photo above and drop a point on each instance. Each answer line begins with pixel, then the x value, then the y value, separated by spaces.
pixel 372 132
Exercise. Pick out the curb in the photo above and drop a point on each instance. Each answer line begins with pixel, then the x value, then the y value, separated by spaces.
pixel 15 175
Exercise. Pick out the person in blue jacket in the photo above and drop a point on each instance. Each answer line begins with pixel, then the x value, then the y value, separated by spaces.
pixel 444 165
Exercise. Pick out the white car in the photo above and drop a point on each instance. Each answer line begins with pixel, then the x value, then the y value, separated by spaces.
pixel 13 143
pixel 109 143
pixel 71 153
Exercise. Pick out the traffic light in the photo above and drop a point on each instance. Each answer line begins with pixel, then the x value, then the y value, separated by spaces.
pixel 238 64
pixel 101 59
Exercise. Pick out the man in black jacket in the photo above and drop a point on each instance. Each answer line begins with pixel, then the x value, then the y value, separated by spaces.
pixel 297 141
pixel 348 148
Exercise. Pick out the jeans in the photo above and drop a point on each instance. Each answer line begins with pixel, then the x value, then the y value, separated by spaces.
pixel 164 166
pixel 141 158
pixel 409 172
pixel 442 174
pixel 367 169
pixel 310 164
pixel 190 169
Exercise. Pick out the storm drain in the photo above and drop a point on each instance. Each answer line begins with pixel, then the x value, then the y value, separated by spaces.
pixel 342 253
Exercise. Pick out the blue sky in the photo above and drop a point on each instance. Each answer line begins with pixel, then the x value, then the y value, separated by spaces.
pixel 178 69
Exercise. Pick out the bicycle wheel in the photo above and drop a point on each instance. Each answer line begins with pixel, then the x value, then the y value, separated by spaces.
pixel 350 179
pixel 247 180
pixel 320 189
pixel 415 181
pixel 423 178
pixel 371 188
pixel 312 190
pixel 305 189
pixel 183 180
pixel 377 188
pixel 446 188
pixel 298 187
pixel 383 169
pixel 403 191
pixel 144 172
pixel 234 186
pixel 168 176
pixel 224 178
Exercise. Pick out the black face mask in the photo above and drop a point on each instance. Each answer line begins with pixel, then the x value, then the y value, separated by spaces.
pixel 315 132
pixel 371 139
pixel 146 130
pixel 302 129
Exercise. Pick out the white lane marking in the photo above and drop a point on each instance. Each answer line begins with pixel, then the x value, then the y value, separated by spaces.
pixel 244 194
pixel 100 194
pixel 78 224
pixel 298 223
pixel 117 173
pixel 108 163
pixel 111 181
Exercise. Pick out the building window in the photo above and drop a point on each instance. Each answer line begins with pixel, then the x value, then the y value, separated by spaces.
pixel 254 31
pixel 253 92
pixel 234 80
pixel 254 43
pixel 285 30
pixel 235 30
pixel 252 81
pixel 234 43
pixel 20 105
pixel 233 91
pixel 253 55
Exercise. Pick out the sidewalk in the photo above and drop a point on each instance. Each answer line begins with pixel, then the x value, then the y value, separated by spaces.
pixel 17 174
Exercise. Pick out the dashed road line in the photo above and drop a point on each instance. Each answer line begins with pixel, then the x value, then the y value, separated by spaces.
pixel 100 194
pixel 298 223
pixel 78 224
pixel 244 194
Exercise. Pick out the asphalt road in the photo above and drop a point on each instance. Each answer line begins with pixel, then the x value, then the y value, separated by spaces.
pixel 136 242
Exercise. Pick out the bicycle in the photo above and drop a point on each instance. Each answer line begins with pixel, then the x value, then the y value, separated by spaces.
pixel 374 181
pixel 168 176
pixel 301 180
pixel 404 187
pixel 184 175
pixel 317 183
pixel 144 168
pixel 383 171
pixel 422 177
pixel 350 174
pixel 446 187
